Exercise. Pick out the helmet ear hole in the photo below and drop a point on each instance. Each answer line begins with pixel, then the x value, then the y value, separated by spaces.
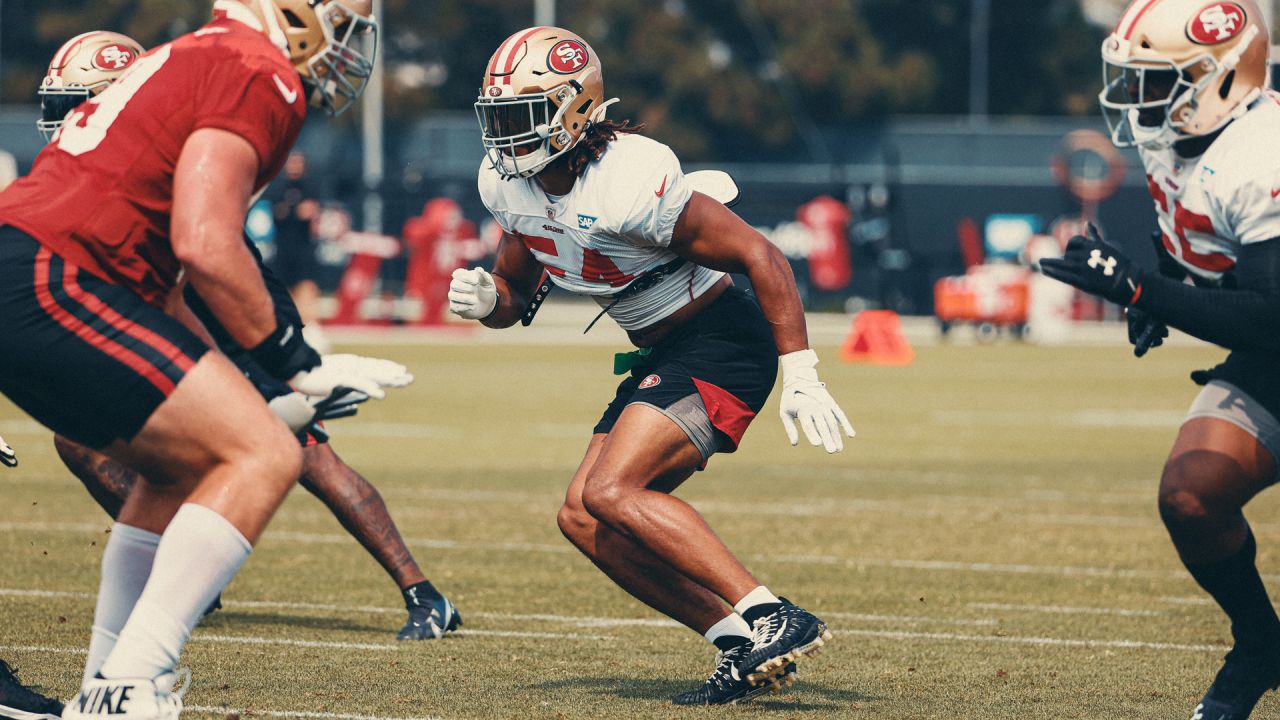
pixel 1225 89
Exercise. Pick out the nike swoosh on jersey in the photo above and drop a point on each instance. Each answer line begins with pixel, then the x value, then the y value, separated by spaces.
pixel 662 190
pixel 290 95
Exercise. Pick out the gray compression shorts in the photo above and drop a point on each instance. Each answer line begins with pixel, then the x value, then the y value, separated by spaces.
pixel 1224 401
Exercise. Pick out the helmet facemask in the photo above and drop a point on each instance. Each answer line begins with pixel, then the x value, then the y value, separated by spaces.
pixel 55 104
pixel 336 76
pixel 522 134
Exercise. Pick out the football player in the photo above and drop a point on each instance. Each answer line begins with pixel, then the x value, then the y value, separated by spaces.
pixel 144 185
pixel 1186 85
pixel 608 214
pixel 82 68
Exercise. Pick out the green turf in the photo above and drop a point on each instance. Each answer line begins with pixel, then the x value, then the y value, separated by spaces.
pixel 983 479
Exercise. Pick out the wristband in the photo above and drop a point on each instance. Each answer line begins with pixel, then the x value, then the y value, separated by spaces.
pixel 284 353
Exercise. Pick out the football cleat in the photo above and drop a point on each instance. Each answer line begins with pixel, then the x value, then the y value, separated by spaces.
pixel 18 702
pixel 130 698
pixel 726 686
pixel 780 639
pixel 429 618
pixel 1244 678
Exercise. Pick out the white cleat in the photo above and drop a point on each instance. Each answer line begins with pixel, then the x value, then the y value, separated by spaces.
pixel 130 698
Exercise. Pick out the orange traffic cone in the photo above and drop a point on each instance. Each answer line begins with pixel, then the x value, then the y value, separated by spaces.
pixel 877 338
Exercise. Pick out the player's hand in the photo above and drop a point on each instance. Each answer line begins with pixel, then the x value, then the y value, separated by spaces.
pixel 7 455
pixel 472 294
pixel 806 399
pixel 1145 332
pixel 301 411
pixel 1096 267
pixel 355 372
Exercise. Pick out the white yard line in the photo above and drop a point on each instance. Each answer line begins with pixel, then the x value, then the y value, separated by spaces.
pixel 1039 641
pixel 302 714
pixel 1064 610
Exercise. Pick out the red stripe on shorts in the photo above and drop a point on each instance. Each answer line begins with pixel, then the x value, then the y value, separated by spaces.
pixel 106 345
pixel 142 334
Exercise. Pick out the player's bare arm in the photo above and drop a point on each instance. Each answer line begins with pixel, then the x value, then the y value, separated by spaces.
pixel 714 236
pixel 212 185
pixel 497 299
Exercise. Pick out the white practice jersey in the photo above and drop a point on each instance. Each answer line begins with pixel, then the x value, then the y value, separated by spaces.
pixel 614 225
pixel 1211 206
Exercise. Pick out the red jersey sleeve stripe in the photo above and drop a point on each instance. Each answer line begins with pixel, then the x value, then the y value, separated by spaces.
pixel 81 330
pixel 144 335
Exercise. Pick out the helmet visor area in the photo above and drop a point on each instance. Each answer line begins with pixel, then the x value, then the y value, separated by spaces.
pixel 514 126
pixel 1136 98
pixel 55 103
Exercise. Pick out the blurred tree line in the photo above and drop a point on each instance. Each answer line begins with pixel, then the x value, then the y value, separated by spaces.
pixel 713 78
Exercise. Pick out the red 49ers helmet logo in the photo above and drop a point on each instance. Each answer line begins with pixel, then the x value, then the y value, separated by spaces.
pixel 113 57
pixel 1216 23
pixel 650 381
pixel 567 57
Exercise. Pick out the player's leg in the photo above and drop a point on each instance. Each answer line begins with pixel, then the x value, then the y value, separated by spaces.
pixel 644 445
pixel 107 481
pixel 629 564
pixel 219 463
pixel 360 508
pixel 655 583
pixel 1217 465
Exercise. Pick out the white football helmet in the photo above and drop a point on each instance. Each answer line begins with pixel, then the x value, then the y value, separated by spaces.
pixel 331 43
pixel 1179 69
pixel 83 67
pixel 542 89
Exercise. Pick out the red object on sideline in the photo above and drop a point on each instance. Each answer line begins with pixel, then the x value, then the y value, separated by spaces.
pixel 830 267
pixel 877 338
pixel 438 241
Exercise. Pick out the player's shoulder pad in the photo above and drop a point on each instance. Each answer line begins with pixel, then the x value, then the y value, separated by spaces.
pixel 1248 151
pixel 490 185
pixel 635 172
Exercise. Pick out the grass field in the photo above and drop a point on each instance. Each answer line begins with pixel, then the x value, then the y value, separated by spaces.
pixel 988 547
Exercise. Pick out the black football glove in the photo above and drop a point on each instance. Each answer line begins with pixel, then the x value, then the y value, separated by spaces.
pixel 1145 332
pixel 1098 268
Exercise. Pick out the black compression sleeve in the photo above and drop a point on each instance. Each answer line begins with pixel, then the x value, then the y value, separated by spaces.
pixel 1246 318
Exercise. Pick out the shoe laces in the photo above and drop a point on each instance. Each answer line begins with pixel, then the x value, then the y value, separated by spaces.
pixel 764 628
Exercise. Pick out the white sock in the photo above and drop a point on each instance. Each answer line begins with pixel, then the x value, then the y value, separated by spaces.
pixel 759 596
pixel 198 555
pixel 126 564
pixel 731 625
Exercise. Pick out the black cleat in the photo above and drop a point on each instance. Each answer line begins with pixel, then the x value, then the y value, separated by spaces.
pixel 727 687
pixel 18 702
pixel 1244 678
pixel 780 639
pixel 429 617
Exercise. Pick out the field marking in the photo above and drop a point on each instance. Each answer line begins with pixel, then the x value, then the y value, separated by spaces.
pixel 288 642
pixel 45 650
pixel 305 715
pixel 936 565
pixel 1039 641
pixel 1065 610
pixel 586 621
pixel 1187 600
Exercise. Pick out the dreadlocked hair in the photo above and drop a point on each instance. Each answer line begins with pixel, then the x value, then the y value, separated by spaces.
pixel 595 140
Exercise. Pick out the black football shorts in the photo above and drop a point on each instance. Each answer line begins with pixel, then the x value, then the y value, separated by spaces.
pixel 711 375
pixel 87 358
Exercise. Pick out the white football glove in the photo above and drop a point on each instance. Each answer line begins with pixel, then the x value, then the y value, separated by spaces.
pixel 806 399
pixel 472 294
pixel 7 455
pixel 300 411
pixel 363 374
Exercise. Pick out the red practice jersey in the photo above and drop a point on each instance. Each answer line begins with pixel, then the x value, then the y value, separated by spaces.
pixel 100 195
